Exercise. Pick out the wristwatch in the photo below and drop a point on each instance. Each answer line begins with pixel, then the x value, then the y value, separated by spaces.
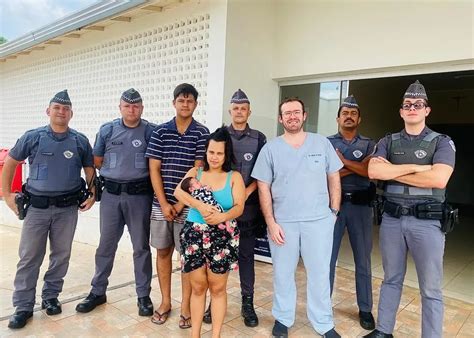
pixel 335 212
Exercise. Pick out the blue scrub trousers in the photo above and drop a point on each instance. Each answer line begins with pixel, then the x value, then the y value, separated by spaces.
pixel 313 241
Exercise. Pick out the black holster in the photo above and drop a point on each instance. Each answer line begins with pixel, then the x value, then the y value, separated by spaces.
pixel 450 218
pixel 22 201
pixel 377 206
pixel 83 193
pixel 99 187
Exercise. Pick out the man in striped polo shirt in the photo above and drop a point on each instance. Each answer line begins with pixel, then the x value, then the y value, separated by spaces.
pixel 175 147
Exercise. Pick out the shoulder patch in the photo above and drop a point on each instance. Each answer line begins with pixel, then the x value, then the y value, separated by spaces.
pixel 451 143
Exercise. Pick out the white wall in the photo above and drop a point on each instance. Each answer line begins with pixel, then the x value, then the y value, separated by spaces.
pixel 153 54
pixel 249 53
pixel 317 37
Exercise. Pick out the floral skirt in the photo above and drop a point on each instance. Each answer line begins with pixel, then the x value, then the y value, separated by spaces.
pixel 213 246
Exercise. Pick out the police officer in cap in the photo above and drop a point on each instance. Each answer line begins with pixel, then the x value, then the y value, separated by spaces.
pixel 119 153
pixel 416 165
pixel 354 150
pixel 246 144
pixel 56 154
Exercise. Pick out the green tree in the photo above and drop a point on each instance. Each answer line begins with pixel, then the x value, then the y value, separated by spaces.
pixel 2 40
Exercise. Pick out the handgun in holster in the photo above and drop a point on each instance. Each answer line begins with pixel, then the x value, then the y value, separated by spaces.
pixel 84 193
pixel 450 218
pixel 377 206
pixel 22 201
pixel 99 187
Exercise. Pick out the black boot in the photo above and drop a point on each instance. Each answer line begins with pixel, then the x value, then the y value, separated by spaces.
pixel 91 302
pixel 378 334
pixel 19 319
pixel 248 312
pixel 366 320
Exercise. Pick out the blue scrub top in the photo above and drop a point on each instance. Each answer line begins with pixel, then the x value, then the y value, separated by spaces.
pixel 298 177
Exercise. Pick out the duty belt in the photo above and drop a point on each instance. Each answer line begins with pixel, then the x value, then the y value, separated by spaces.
pixel 347 197
pixel 62 201
pixel 433 210
pixel 141 187
pixel 359 197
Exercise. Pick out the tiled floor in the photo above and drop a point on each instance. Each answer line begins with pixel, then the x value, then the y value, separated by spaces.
pixel 458 279
pixel 119 318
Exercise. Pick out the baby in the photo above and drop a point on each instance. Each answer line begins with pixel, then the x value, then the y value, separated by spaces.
pixel 202 193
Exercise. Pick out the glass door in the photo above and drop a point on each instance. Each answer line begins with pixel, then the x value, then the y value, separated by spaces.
pixel 321 102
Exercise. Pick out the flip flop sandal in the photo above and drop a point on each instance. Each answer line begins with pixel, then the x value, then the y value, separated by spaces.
pixel 184 323
pixel 160 318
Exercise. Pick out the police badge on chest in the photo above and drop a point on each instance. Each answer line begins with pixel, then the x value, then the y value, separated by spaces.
pixel 420 153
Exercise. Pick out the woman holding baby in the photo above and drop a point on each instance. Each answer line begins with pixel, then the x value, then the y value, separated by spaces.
pixel 210 238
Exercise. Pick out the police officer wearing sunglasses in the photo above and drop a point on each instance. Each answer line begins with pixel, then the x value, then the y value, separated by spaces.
pixel 415 165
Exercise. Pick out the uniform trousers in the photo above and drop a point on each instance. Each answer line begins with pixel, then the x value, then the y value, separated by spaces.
pixel 57 224
pixel 312 240
pixel 115 212
pixel 246 258
pixel 425 241
pixel 358 221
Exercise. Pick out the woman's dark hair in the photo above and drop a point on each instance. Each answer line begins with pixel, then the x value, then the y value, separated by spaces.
pixel 221 135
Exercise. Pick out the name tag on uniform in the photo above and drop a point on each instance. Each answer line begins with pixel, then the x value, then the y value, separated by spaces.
pixel 47 154
pixel 117 143
pixel 398 153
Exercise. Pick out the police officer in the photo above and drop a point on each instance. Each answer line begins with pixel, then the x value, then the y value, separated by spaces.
pixel 354 150
pixel 119 153
pixel 416 165
pixel 56 154
pixel 246 144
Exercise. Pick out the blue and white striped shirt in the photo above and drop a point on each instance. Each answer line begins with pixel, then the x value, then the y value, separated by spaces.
pixel 177 153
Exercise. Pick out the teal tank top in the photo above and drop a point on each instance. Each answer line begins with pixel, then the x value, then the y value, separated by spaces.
pixel 222 196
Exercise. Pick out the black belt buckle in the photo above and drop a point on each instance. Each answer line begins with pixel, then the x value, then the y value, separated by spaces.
pixel 347 197
pixel 64 201
pixel 125 187
pixel 406 211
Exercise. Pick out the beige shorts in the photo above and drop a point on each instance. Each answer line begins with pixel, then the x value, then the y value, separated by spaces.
pixel 165 234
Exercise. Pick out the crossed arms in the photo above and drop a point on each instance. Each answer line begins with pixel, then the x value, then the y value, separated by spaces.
pixel 421 176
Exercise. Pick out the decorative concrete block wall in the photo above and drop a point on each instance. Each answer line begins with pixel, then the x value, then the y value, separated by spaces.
pixel 152 60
